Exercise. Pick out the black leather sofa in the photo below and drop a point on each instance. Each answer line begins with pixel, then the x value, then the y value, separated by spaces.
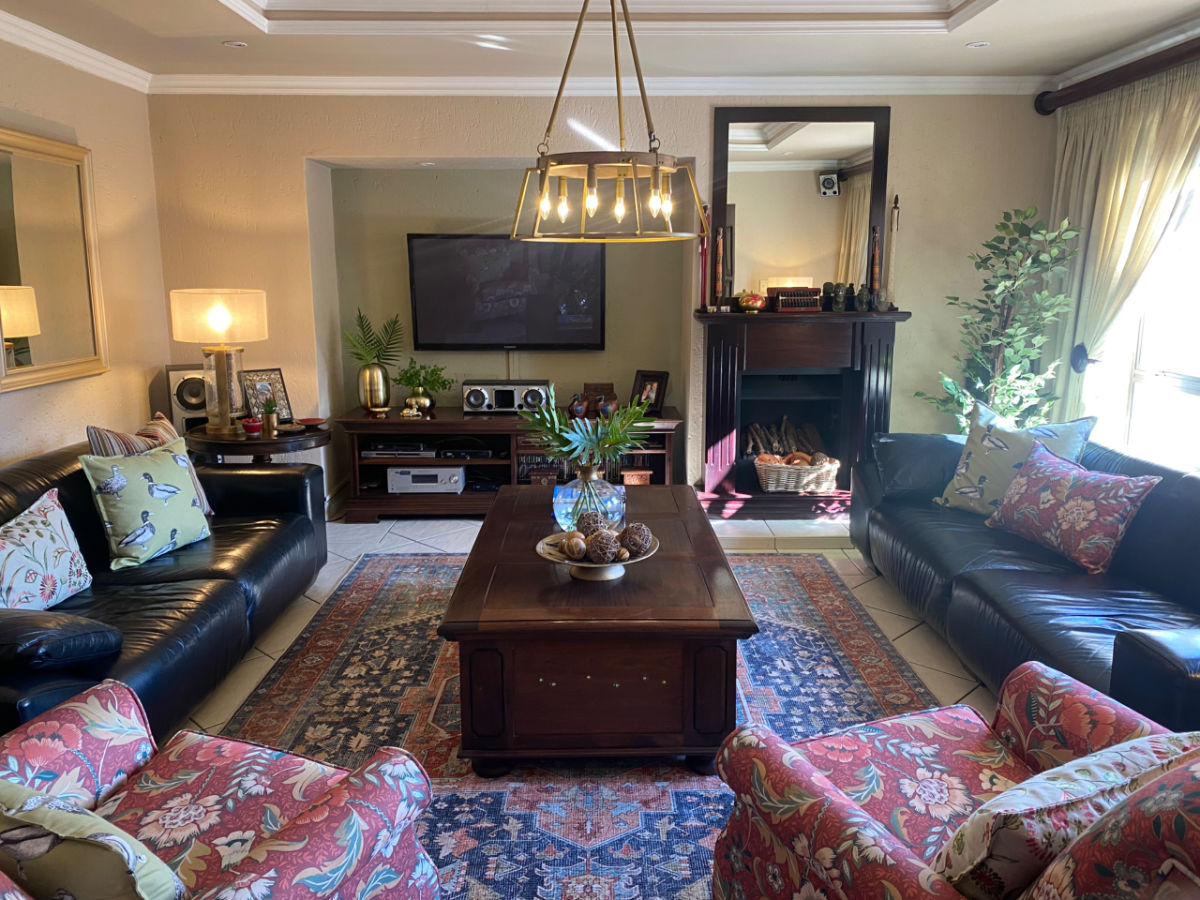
pixel 1000 600
pixel 173 627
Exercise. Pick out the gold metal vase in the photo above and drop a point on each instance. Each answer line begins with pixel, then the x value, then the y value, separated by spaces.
pixel 373 392
pixel 420 400
pixel 270 424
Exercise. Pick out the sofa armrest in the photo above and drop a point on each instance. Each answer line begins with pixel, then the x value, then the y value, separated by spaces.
pixel 865 494
pixel 42 640
pixel 355 840
pixel 1047 718
pixel 791 827
pixel 263 490
pixel 84 749
pixel 1158 672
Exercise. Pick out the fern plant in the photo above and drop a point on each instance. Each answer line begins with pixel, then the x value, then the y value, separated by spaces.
pixel 374 346
pixel 587 442
pixel 1004 330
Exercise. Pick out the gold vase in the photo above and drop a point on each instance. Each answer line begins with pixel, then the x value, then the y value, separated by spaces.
pixel 419 400
pixel 270 424
pixel 373 391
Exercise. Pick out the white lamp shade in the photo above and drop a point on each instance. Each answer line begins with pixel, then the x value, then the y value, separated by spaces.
pixel 18 312
pixel 218 316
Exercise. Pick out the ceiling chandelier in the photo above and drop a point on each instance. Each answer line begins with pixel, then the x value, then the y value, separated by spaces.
pixel 635 204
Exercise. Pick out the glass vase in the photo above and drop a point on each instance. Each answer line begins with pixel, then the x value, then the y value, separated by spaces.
pixel 588 492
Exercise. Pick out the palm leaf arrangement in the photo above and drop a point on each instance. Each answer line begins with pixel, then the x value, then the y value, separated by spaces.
pixel 374 346
pixel 587 442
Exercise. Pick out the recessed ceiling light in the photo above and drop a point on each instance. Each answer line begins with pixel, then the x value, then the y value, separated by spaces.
pixel 978 45
pixel 237 45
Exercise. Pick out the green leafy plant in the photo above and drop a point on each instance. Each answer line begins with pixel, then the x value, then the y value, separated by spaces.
pixel 587 442
pixel 1004 330
pixel 432 378
pixel 269 406
pixel 374 346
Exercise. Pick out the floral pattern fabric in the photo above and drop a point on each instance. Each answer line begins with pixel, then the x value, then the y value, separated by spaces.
pixel 82 750
pixel 40 562
pixel 9 889
pixel 1005 844
pixel 1072 510
pixel 1148 846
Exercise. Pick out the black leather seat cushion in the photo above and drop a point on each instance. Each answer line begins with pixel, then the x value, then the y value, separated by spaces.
pixel 999 619
pixel 272 559
pixel 920 546
pixel 179 639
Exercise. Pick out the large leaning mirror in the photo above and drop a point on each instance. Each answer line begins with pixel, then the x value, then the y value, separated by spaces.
pixel 51 314
pixel 796 192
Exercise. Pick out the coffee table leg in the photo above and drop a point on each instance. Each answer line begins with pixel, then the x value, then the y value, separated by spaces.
pixel 701 765
pixel 491 768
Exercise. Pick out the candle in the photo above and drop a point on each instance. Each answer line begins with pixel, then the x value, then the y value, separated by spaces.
pixel 894 229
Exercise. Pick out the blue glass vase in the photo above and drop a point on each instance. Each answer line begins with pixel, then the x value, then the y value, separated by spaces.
pixel 589 492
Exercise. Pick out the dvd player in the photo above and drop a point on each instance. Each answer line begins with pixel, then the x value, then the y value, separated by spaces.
pixel 397 454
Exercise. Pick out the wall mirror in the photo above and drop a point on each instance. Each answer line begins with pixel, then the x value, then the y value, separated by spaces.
pixel 796 191
pixel 51 313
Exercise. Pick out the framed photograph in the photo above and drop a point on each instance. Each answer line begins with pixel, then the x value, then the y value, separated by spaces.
pixel 260 384
pixel 650 387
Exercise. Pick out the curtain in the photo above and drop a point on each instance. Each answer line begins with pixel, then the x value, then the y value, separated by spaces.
pixel 1123 159
pixel 856 227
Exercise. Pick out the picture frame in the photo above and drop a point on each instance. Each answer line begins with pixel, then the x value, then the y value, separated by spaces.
pixel 650 385
pixel 258 385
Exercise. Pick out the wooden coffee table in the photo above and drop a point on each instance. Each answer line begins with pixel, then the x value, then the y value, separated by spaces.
pixel 554 667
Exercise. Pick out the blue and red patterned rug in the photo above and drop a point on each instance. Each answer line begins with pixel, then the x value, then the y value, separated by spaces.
pixel 370 670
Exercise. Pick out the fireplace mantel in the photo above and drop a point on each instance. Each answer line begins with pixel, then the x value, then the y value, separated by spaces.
pixel 855 347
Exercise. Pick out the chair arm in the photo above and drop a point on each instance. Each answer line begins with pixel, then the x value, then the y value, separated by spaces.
pixel 791 827
pixel 1047 718
pixel 263 490
pixel 84 749
pixel 1158 671
pixel 356 839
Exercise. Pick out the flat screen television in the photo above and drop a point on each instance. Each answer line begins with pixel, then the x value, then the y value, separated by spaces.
pixel 475 292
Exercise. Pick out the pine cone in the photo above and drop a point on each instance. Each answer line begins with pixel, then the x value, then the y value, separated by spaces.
pixel 602 546
pixel 590 522
pixel 636 538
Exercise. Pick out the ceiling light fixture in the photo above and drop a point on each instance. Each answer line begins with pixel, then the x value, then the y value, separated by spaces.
pixel 978 45
pixel 647 175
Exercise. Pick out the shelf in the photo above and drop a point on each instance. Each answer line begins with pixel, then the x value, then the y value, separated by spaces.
pixel 414 461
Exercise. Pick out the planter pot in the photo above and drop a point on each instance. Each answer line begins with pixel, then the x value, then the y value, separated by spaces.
pixel 373 391
pixel 270 424
pixel 420 400
pixel 590 491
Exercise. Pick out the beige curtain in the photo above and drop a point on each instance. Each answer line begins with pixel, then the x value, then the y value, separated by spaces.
pixel 856 226
pixel 1123 159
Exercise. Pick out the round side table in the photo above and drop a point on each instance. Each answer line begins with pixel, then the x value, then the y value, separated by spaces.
pixel 260 449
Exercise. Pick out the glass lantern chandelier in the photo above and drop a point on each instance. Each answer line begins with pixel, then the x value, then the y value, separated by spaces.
pixel 606 196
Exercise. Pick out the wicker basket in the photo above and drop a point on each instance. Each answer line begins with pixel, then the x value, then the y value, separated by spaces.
pixel 775 478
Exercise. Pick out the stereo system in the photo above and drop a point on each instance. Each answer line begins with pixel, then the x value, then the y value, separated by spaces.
pixel 504 396
pixel 426 480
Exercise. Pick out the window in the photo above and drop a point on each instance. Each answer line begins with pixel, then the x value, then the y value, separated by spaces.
pixel 1146 391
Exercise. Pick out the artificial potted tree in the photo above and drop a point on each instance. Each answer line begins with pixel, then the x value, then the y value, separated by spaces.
pixel 374 349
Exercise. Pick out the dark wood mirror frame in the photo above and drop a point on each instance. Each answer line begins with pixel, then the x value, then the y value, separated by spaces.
pixel 724 116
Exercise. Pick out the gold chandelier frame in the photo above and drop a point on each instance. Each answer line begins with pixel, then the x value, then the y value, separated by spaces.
pixel 649 174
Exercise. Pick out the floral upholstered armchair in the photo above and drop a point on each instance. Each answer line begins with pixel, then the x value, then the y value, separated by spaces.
pixel 874 811
pixel 206 816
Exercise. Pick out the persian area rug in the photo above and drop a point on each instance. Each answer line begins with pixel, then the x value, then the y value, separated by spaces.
pixel 370 670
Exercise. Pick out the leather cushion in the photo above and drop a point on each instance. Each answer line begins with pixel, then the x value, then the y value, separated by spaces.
pixel 53 640
pixel 919 547
pixel 915 465
pixel 999 619
pixel 180 639
pixel 271 559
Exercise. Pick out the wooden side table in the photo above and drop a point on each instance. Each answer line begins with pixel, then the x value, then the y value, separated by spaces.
pixel 260 449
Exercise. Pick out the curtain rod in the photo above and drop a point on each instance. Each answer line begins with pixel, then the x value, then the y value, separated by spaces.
pixel 1187 51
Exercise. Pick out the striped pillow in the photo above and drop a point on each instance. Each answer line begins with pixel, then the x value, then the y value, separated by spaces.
pixel 155 433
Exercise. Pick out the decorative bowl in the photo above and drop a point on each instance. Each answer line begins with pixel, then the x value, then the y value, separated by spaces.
pixel 288 428
pixel 311 423
pixel 547 548
pixel 252 426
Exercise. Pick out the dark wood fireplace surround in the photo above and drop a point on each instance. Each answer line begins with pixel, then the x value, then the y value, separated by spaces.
pixel 857 348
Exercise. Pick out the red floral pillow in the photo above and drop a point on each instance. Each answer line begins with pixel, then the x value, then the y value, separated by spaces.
pixel 1072 510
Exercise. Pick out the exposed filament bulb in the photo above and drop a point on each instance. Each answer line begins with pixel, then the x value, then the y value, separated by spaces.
pixel 591 200
pixel 619 206
pixel 564 208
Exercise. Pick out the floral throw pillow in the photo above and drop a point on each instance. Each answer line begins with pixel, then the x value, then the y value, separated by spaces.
pixel 994 453
pixel 40 562
pixel 158 432
pixel 147 503
pixel 1072 510
pixel 1006 843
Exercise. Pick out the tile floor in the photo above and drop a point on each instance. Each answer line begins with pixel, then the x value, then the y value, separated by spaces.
pixel 928 654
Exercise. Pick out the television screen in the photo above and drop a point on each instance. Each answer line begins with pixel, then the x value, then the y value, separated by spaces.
pixel 474 292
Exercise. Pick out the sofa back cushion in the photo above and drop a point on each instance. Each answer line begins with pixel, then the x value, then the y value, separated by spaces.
pixel 915 466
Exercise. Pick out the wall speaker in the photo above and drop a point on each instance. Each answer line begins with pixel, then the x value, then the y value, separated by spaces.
pixel 185 396
pixel 828 183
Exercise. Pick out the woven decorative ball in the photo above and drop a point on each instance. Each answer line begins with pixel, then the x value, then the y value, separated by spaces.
pixel 574 547
pixel 602 546
pixel 635 538
pixel 589 522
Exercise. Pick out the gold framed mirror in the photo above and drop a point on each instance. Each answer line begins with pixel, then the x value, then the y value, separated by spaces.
pixel 51 308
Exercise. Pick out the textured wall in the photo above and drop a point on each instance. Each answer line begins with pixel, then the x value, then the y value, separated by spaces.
pixel 40 96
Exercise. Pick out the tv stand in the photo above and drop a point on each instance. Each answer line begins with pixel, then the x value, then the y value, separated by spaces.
pixel 493 449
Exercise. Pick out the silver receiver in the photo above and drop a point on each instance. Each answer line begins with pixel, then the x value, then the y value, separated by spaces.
pixel 504 396
pixel 426 480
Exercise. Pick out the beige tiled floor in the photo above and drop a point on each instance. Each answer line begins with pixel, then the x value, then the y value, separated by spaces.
pixel 930 657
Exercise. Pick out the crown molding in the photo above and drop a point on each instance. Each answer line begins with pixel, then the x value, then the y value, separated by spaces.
pixel 785 165
pixel 48 43
pixel 1185 31
pixel 708 86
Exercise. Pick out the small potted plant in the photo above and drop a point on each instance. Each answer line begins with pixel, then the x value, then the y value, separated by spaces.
pixel 270 416
pixel 374 349
pixel 422 382
pixel 588 444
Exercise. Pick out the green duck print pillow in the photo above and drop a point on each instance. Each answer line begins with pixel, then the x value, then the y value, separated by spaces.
pixel 147 503
pixel 995 452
